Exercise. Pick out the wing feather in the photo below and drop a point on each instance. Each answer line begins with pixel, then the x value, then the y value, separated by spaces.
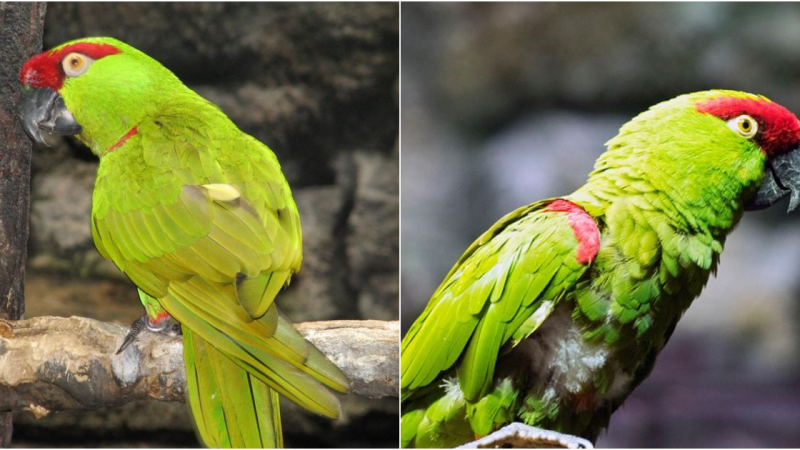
pixel 503 287
pixel 214 235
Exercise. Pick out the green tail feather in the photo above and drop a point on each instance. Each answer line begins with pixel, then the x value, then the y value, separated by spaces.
pixel 276 366
pixel 231 408
pixel 316 364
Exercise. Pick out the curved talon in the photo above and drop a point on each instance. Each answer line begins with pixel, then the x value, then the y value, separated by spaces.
pixel 136 328
pixel 144 322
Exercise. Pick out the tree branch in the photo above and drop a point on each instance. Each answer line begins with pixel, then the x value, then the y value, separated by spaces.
pixel 55 363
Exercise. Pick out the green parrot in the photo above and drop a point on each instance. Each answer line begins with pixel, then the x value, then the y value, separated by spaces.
pixel 199 216
pixel 557 312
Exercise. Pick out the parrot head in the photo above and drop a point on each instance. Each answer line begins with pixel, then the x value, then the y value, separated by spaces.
pixel 733 147
pixel 96 88
pixel 775 132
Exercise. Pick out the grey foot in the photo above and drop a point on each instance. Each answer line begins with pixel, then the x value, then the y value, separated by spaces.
pixel 143 322
pixel 519 435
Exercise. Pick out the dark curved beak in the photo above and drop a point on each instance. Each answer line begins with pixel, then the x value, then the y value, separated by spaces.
pixel 781 178
pixel 44 110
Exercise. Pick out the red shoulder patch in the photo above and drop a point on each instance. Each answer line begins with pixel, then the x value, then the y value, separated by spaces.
pixel 779 129
pixel 584 227
pixel 44 70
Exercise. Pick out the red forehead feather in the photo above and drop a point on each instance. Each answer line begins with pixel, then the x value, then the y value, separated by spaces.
pixel 44 70
pixel 779 129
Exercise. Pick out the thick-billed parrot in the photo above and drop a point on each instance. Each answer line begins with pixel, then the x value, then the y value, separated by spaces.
pixel 557 312
pixel 199 216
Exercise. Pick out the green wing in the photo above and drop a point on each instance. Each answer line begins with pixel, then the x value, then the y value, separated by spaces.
pixel 167 208
pixel 208 227
pixel 500 291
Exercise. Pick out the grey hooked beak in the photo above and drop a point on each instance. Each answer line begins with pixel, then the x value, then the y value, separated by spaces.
pixel 782 178
pixel 44 110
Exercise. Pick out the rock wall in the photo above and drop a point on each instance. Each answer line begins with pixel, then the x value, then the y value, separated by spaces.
pixel 318 83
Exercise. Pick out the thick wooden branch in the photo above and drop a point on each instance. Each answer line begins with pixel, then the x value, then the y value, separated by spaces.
pixel 55 363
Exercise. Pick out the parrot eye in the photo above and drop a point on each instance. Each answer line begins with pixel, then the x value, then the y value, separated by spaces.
pixel 76 64
pixel 744 125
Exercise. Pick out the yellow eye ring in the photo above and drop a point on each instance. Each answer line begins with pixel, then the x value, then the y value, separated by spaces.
pixel 744 125
pixel 76 64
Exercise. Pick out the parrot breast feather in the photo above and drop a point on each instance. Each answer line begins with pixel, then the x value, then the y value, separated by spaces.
pixel 506 283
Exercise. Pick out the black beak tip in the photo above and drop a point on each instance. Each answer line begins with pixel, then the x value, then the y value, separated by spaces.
pixel 34 133
pixel 44 110
pixel 781 179
pixel 31 113
pixel 794 200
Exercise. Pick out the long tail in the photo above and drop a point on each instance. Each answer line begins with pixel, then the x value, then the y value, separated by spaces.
pixel 231 408
pixel 236 366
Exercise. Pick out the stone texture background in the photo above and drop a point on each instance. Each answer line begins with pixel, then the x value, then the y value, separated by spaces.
pixel 505 104
pixel 318 83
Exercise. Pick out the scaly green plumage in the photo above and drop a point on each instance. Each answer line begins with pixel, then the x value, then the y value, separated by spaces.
pixel 200 217
pixel 522 330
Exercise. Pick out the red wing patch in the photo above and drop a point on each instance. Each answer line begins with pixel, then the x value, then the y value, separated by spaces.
pixel 584 227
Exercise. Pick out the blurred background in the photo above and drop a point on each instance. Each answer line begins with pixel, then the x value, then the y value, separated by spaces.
pixel 318 83
pixel 506 104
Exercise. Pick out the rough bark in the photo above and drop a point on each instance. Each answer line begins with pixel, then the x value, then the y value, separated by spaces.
pixel 20 37
pixel 54 363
